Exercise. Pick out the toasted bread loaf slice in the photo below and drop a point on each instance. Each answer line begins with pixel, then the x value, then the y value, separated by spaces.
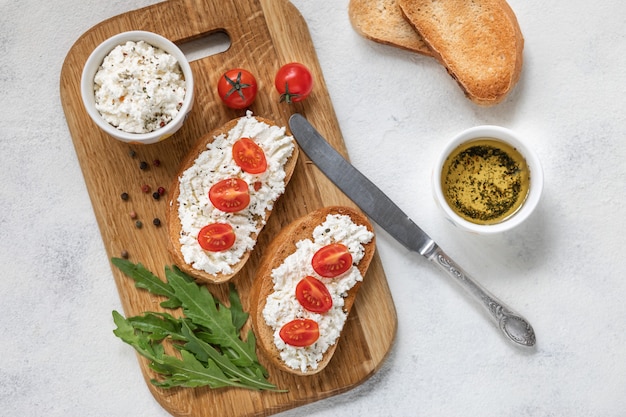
pixel 190 208
pixel 384 22
pixel 479 42
pixel 285 262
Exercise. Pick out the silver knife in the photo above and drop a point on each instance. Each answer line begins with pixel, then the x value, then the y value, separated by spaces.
pixel 390 217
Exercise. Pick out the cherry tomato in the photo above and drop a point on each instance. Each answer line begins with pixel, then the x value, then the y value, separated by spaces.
pixel 237 88
pixel 294 82
pixel 313 295
pixel 332 260
pixel 249 156
pixel 300 332
pixel 230 195
pixel 216 237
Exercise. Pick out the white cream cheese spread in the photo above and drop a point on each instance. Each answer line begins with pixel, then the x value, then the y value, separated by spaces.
pixel 138 87
pixel 282 305
pixel 215 164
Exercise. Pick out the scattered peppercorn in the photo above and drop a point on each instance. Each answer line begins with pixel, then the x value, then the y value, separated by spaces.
pixel 156 195
pixel 138 224
pixel 156 222
pixel 124 196
pixel 124 254
pixel 143 165
pixel 161 190
pixel 156 163
pixel 145 188
pixel 132 153
pixel 133 215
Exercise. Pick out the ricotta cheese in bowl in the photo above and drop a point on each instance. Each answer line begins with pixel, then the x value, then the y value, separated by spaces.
pixel 138 87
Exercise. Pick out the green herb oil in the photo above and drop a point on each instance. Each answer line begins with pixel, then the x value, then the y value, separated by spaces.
pixel 485 181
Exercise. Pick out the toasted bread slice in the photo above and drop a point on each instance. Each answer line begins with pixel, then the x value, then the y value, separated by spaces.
pixel 479 42
pixel 383 21
pixel 183 226
pixel 274 268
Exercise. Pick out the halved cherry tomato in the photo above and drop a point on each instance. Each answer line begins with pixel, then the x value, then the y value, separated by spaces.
pixel 294 82
pixel 332 260
pixel 230 195
pixel 237 88
pixel 249 156
pixel 313 295
pixel 300 332
pixel 216 237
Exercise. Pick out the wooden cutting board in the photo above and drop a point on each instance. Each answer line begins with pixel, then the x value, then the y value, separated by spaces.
pixel 264 34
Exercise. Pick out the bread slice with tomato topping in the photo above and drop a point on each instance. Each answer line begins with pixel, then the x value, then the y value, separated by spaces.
pixel 223 194
pixel 306 285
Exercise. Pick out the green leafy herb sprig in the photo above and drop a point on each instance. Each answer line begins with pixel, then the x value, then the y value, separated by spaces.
pixel 212 353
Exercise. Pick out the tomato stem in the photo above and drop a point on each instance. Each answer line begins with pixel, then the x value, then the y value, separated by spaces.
pixel 237 85
pixel 288 97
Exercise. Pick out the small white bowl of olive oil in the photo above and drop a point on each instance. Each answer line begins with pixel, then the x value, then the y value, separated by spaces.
pixel 487 180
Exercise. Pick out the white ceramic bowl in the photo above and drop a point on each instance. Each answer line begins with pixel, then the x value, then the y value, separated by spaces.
pixel 535 186
pixel 95 60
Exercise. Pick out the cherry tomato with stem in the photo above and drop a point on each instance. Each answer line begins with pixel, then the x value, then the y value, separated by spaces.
pixel 216 237
pixel 294 82
pixel 249 156
pixel 300 332
pixel 237 88
pixel 332 260
pixel 230 195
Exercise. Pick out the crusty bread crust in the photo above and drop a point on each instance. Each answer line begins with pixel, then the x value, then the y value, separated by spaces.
pixel 283 245
pixel 479 42
pixel 384 22
pixel 173 220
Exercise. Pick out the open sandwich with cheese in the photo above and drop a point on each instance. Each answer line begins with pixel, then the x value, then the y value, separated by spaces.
pixel 306 285
pixel 224 193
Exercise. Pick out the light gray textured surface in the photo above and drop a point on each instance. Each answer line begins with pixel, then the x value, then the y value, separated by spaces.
pixel 563 270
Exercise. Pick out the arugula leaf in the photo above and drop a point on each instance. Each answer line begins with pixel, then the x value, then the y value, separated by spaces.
pixel 146 280
pixel 189 372
pixel 206 352
pixel 208 339
pixel 236 310
pixel 200 306
pixel 126 332
pixel 158 326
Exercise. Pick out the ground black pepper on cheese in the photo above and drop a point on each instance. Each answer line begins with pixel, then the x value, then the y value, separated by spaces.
pixel 485 181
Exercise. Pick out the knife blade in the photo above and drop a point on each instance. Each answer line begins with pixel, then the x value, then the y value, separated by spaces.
pixel 383 211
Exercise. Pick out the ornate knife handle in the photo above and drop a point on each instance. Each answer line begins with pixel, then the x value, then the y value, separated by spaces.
pixel 513 325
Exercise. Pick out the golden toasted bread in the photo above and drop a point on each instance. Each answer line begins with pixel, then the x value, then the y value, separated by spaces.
pixel 219 267
pixel 383 21
pixel 273 265
pixel 479 42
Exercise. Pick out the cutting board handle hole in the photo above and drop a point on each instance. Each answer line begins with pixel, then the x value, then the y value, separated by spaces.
pixel 207 45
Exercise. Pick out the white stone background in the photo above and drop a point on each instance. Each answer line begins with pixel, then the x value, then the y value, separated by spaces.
pixel 562 269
